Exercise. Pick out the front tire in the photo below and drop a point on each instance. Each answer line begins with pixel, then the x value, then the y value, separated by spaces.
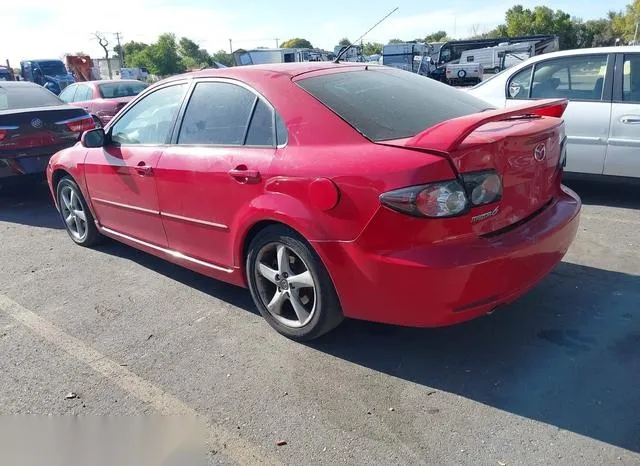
pixel 290 285
pixel 75 214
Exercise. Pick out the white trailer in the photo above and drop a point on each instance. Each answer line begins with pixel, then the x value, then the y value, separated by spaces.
pixel 463 73
pixel 497 58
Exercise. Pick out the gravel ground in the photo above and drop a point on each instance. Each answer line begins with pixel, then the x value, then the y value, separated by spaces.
pixel 554 377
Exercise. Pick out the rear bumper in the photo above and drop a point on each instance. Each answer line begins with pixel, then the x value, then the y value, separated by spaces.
pixel 454 281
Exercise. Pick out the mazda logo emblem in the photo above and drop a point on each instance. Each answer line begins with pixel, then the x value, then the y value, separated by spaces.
pixel 36 123
pixel 540 152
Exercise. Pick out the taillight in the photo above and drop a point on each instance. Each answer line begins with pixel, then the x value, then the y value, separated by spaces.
pixel 483 187
pixel 4 131
pixel 79 125
pixel 436 200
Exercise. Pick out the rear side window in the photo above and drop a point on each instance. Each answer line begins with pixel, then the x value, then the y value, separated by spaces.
pixel 221 113
pixel 217 113
pixel 520 84
pixel 385 104
pixel 15 97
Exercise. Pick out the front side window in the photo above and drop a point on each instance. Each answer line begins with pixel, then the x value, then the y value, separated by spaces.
pixel 520 84
pixel 631 78
pixel 68 94
pixel 151 119
pixel 574 78
pixel 217 113
pixel 82 94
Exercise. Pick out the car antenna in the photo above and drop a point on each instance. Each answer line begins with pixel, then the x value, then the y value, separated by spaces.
pixel 347 48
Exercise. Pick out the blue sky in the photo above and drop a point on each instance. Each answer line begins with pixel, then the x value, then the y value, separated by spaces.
pixel 46 29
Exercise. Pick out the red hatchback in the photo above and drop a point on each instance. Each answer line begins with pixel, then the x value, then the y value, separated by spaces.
pixel 330 191
pixel 102 99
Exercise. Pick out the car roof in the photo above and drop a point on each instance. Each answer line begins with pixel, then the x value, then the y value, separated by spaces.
pixel 589 51
pixel 18 84
pixel 109 81
pixel 257 71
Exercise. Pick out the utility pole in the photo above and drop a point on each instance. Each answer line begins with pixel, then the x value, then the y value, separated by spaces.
pixel 635 35
pixel 230 47
pixel 277 43
pixel 120 51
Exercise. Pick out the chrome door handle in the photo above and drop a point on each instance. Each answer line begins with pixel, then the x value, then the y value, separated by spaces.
pixel 243 175
pixel 630 120
pixel 144 170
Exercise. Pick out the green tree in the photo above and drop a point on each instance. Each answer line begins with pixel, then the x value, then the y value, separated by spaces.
pixel 625 24
pixel 223 57
pixel 344 41
pixel 520 21
pixel 130 49
pixel 296 43
pixel 160 58
pixel 192 55
pixel 395 41
pixel 371 48
pixel 438 36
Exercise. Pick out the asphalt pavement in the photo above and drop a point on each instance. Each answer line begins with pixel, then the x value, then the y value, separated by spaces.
pixel 552 378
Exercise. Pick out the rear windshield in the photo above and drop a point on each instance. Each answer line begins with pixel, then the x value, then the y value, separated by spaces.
pixel 383 103
pixel 13 98
pixel 124 89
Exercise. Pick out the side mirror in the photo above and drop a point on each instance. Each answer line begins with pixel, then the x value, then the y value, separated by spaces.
pixel 93 138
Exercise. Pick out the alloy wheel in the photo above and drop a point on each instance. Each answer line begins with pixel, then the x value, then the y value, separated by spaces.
pixel 73 213
pixel 285 285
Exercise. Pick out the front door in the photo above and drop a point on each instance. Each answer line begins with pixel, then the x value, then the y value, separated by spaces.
pixel 623 151
pixel 121 177
pixel 586 80
pixel 217 166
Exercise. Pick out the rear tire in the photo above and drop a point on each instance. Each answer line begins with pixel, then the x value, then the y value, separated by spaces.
pixel 75 214
pixel 290 286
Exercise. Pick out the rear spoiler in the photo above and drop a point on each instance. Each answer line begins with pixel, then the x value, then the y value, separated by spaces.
pixel 448 135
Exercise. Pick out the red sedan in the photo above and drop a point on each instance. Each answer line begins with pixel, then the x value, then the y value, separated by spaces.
pixel 330 191
pixel 102 99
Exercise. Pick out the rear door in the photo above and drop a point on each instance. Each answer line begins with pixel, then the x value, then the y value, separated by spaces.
pixel 121 176
pixel 587 81
pixel 222 152
pixel 623 150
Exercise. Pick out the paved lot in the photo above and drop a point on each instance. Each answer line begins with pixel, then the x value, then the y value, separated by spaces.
pixel 555 377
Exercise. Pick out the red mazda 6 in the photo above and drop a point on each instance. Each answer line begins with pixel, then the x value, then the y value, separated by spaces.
pixel 330 191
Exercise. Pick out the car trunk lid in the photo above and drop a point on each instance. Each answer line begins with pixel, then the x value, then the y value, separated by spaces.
pixel 36 131
pixel 523 145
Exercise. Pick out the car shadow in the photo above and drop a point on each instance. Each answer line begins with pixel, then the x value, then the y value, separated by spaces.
pixel 29 204
pixel 566 354
pixel 606 191
pixel 231 294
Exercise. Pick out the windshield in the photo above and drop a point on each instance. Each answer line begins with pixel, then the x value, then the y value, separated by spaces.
pixel 385 103
pixel 52 68
pixel 13 98
pixel 123 89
